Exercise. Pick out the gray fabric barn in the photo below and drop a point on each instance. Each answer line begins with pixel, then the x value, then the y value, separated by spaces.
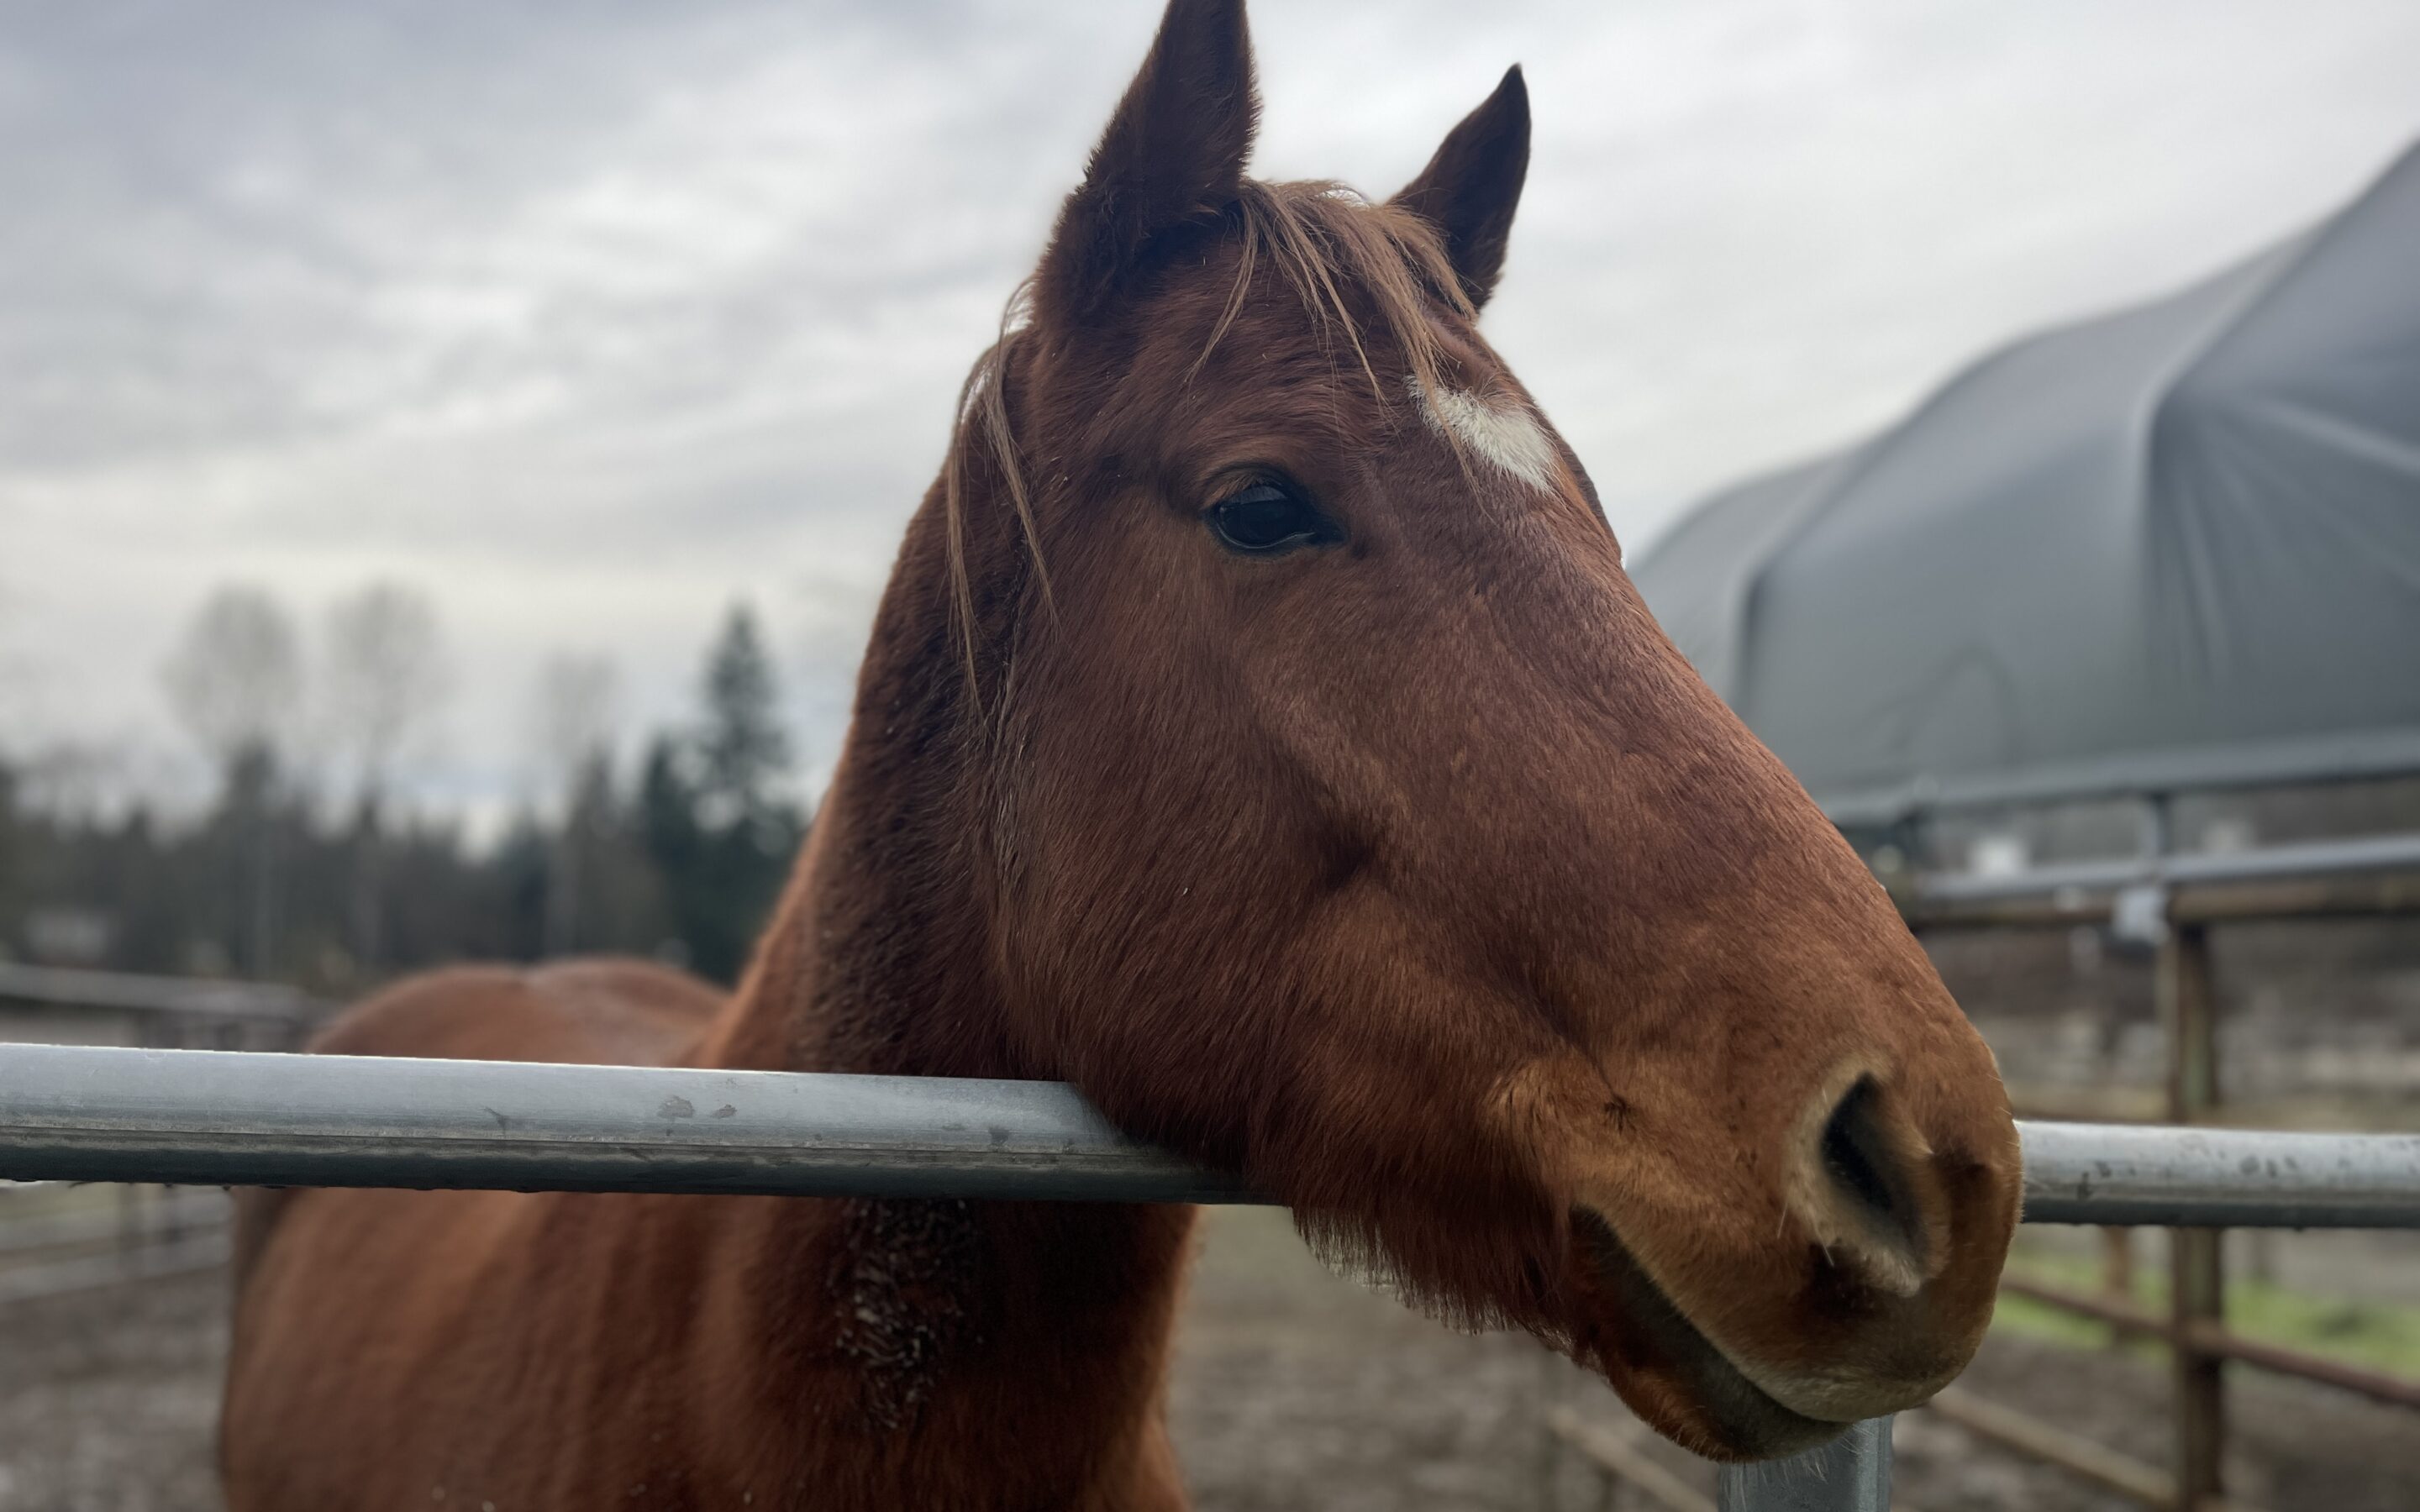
pixel 2178 543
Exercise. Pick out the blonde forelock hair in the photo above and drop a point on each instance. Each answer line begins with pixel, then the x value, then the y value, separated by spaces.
pixel 1325 239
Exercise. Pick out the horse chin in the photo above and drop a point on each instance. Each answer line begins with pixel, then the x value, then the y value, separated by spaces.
pixel 1674 1377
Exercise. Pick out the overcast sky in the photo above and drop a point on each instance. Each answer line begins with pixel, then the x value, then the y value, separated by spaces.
pixel 591 319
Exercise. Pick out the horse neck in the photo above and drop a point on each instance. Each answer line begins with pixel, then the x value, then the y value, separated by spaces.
pixel 878 961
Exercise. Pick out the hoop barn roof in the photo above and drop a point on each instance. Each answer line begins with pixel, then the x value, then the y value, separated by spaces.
pixel 2174 546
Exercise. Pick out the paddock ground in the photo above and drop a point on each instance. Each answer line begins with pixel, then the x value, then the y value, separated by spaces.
pixel 1295 1390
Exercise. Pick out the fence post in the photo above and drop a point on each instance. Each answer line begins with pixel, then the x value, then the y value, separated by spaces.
pixel 2117 1274
pixel 2196 1291
pixel 1851 1473
pixel 1554 1386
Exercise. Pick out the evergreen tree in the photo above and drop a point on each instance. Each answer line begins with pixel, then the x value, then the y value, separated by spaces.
pixel 15 841
pixel 687 865
pixel 716 824
pixel 743 751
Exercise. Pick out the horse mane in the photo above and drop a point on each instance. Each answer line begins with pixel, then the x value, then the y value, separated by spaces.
pixel 1325 238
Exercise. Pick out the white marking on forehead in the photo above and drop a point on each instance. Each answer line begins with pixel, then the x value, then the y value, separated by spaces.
pixel 1502 430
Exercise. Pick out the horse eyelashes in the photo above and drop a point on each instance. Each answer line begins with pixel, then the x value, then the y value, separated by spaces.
pixel 1266 519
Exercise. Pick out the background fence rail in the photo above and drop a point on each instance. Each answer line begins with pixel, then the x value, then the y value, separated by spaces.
pixel 175 997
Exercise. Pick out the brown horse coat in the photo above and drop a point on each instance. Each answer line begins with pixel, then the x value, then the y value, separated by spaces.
pixel 1259 731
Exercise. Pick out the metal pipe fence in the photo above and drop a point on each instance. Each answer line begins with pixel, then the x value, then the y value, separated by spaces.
pixel 172 998
pixel 228 1117
pixel 2302 863
pixel 85 1114
pixel 55 1243
pixel 2174 903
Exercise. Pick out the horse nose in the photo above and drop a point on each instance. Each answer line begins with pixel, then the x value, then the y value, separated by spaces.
pixel 1867 1190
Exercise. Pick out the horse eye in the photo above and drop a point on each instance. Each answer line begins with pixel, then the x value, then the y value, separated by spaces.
pixel 1265 520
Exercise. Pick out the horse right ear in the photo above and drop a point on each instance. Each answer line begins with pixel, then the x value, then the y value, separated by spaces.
pixel 1471 189
pixel 1173 157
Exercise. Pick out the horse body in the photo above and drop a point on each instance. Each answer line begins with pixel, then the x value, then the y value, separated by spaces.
pixel 1259 731
pixel 557 1350
pixel 567 1350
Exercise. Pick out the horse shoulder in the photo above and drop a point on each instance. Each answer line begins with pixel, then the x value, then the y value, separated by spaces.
pixel 602 1011
pixel 326 1277
pixel 593 1011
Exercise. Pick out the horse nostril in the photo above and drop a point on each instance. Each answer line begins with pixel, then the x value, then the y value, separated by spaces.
pixel 1869 1173
pixel 1854 1153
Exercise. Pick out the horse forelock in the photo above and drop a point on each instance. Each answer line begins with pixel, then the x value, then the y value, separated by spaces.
pixel 1329 244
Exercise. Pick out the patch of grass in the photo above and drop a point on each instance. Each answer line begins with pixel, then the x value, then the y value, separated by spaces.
pixel 2378 1335
pixel 2040 1321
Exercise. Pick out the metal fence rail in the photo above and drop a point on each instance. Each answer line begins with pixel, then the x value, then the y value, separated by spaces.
pixel 2117 1173
pixel 224 1118
pixel 128 992
pixel 2307 861
pixel 2175 903
pixel 76 1113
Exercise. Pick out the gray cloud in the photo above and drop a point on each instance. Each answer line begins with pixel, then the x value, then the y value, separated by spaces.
pixel 591 319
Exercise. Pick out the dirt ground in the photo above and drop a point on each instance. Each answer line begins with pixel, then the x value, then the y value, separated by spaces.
pixel 1295 1390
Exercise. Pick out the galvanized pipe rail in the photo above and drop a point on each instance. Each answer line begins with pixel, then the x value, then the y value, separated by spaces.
pixel 197 1117
pixel 237 1119
pixel 2304 862
pixel 228 1117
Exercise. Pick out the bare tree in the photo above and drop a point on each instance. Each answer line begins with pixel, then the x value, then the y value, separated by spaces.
pixel 574 716
pixel 16 680
pixel 234 681
pixel 384 673
pixel 236 677
pixel 573 727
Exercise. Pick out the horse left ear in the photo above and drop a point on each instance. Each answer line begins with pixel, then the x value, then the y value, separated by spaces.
pixel 1173 155
pixel 1471 189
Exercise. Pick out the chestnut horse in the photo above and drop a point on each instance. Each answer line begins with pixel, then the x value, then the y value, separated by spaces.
pixel 1258 731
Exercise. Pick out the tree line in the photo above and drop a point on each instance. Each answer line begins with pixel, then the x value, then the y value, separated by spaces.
pixel 311 872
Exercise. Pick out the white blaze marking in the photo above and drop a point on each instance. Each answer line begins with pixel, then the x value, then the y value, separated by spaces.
pixel 1501 430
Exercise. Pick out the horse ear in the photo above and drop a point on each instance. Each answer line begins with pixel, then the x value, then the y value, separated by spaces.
pixel 1173 155
pixel 1471 189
